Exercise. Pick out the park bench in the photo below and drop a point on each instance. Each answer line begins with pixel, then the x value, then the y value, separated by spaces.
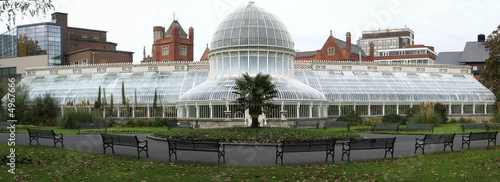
pixel 109 140
pixel 307 124
pixel 419 127
pixel 368 143
pixel 5 125
pixel 490 136
pixel 338 124
pixel 179 125
pixel 468 126
pixel 446 139
pixel 292 146
pixel 35 134
pixel 83 126
pixel 385 127
pixel 494 126
pixel 196 145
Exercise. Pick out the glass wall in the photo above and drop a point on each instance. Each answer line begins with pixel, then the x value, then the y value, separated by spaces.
pixel 35 39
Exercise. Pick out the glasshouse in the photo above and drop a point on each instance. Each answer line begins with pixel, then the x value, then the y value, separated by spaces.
pixel 252 40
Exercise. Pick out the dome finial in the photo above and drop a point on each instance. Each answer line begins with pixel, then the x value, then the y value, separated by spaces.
pixel 330 32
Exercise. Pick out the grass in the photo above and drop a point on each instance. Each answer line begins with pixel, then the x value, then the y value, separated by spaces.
pixel 56 164
pixel 440 129
pixel 255 135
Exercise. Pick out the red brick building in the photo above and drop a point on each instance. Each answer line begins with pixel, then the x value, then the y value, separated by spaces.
pixel 335 49
pixel 174 44
pixel 87 46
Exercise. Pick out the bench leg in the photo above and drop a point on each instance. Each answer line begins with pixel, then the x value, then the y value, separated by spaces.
pixel 330 152
pixel 466 142
pixel 280 155
pixel 58 140
pixel 493 140
pixel 34 138
pixel 422 146
pixel 391 150
pixel 106 145
pixel 348 153
pixel 140 149
pixel 170 152
pixel 448 144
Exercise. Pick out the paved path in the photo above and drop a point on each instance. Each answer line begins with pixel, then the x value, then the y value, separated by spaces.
pixel 244 155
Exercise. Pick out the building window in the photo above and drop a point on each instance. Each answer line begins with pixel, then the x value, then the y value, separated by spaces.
pixel 476 70
pixel 96 37
pixel 75 63
pixel 182 50
pixel 84 36
pixel 84 61
pixel 331 51
pixel 164 50
pixel 8 71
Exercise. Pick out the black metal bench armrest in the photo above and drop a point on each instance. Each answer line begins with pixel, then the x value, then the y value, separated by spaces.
pixel 144 141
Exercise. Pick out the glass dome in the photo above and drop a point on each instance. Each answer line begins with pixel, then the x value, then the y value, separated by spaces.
pixel 251 40
pixel 251 26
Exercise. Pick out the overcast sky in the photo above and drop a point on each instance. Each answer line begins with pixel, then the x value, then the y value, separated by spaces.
pixel 444 24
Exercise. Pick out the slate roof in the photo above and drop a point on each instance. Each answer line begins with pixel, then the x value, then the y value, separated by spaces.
pixel 474 52
pixel 449 58
pixel 305 54
pixel 182 33
pixel 354 49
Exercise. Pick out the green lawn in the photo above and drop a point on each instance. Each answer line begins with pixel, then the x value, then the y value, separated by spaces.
pixel 440 129
pixel 56 164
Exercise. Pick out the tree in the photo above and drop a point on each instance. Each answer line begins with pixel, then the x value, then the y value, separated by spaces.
pixel 255 95
pixel 45 110
pixel 124 99
pixel 22 102
pixel 98 103
pixel 12 8
pixel 154 103
pixel 111 106
pixel 490 76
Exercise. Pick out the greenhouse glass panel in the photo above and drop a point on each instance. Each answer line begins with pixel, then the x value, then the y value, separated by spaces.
pixel 376 110
pixel 479 109
pixel 362 110
pixel 391 109
pixel 456 109
pixel 347 109
pixel 333 110
pixel 468 109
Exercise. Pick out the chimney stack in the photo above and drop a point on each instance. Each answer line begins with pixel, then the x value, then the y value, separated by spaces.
pixel 481 38
pixel 372 50
pixel 348 45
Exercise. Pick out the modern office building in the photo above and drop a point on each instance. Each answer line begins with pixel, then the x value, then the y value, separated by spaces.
pixel 33 39
pixel 64 45
pixel 252 40
pixel 386 39
pixel 411 54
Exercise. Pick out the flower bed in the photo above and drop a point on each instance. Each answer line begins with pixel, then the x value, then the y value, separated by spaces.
pixel 254 135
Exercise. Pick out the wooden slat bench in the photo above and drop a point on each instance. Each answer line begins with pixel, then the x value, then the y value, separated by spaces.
pixel 196 145
pixel 109 140
pixel 469 126
pixel 306 124
pixel 338 124
pixel 490 136
pixel 83 126
pixel 446 139
pixel 385 127
pixel 419 127
pixel 368 143
pixel 292 146
pixel 35 134
pixel 171 125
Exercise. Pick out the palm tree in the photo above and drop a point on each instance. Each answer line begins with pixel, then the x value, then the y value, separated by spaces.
pixel 255 94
